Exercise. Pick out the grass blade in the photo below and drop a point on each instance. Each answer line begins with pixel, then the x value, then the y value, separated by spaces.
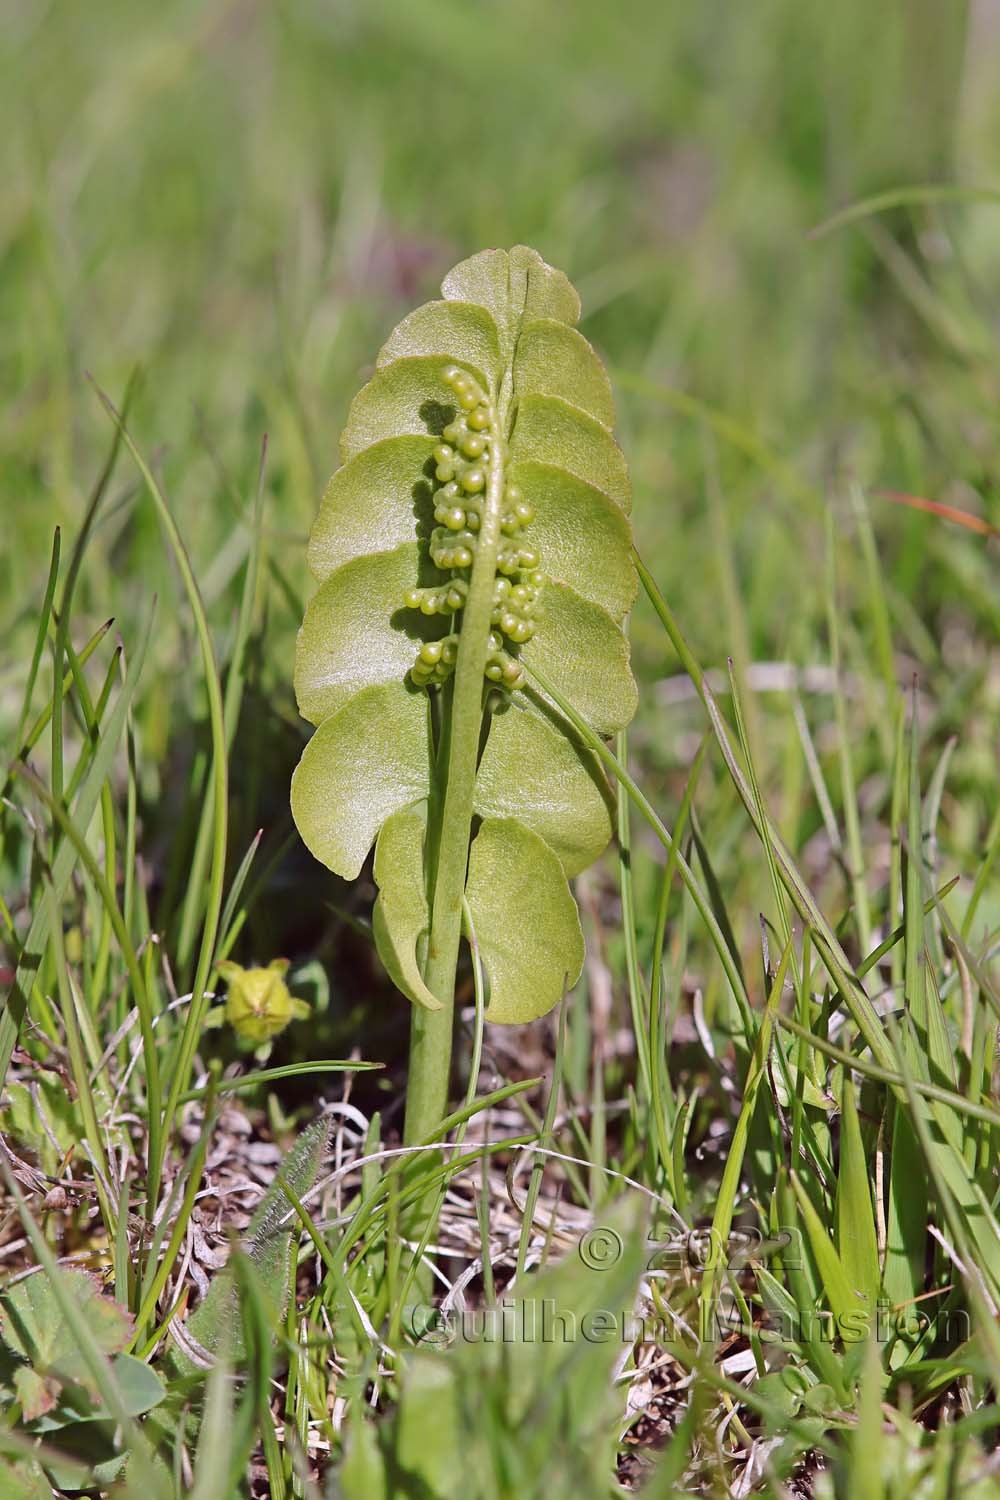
pixel 856 1237
pixel 181 1063
pixel 65 859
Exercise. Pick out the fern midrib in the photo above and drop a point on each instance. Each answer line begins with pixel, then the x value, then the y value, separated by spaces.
pixel 430 1054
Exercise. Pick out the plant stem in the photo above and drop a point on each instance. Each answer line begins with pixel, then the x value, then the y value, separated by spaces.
pixel 431 1031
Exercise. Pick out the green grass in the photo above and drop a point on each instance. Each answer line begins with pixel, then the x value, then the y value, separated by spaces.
pixel 786 1028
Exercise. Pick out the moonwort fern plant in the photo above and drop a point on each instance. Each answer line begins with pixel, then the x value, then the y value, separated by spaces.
pixel 477 532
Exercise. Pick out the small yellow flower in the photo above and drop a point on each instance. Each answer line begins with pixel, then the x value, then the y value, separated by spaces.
pixel 258 1004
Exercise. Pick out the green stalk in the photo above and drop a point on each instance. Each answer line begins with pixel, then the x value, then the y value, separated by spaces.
pixel 431 1031
pixel 78 1061
pixel 92 722
pixel 639 1002
pixel 43 625
pixel 232 703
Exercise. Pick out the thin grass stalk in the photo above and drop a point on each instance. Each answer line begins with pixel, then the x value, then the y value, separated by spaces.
pixel 183 1059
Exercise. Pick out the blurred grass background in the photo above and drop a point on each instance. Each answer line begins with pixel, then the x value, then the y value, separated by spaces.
pixel 242 198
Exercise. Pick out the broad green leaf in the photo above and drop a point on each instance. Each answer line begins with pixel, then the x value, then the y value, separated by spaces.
pixel 408 396
pixel 372 504
pixel 584 655
pixel 139 1385
pixel 401 917
pixel 461 331
pixel 594 559
pixel 534 772
pixel 551 431
pixel 37 1393
pixel 361 765
pixel 512 286
pixel 357 632
pixel 42 1116
pixel 525 920
pixel 32 1326
pixel 554 360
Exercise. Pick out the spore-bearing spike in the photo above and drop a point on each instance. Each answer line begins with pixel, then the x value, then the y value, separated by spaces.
pixel 504 670
pixel 461 468
pixel 443 599
pixel 435 662
pixel 452 549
